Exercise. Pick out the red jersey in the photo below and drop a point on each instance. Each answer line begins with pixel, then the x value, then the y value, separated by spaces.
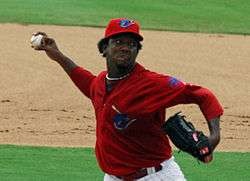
pixel 129 117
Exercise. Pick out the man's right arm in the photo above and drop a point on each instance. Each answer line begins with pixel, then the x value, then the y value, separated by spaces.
pixel 82 78
pixel 66 63
pixel 50 47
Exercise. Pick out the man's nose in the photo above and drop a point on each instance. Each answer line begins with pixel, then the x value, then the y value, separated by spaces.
pixel 124 47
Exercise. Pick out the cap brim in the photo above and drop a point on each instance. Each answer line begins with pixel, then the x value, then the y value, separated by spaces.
pixel 137 36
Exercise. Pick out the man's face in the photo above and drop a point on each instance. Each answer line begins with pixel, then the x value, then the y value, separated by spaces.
pixel 122 51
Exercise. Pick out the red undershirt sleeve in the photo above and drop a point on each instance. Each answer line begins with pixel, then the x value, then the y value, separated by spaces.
pixel 82 79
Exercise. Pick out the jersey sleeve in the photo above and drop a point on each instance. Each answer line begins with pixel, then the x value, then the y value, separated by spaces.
pixel 176 92
pixel 82 79
pixel 156 91
pixel 203 97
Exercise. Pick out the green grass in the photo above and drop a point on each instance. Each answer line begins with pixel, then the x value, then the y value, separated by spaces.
pixel 26 163
pixel 223 16
pixel 18 163
pixel 226 166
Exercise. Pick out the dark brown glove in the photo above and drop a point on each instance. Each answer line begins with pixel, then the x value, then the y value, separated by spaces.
pixel 185 137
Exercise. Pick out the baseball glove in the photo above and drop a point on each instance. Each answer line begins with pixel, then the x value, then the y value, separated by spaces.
pixel 185 137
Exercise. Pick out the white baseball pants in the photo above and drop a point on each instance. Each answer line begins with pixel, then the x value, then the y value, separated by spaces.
pixel 170 172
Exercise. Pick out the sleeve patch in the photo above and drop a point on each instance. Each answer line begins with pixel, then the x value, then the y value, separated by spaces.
pixel 173 82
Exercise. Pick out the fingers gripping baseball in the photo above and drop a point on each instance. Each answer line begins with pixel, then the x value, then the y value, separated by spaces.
pixel 41 41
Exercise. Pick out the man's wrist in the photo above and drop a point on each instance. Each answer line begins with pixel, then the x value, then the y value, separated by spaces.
pixel 214 140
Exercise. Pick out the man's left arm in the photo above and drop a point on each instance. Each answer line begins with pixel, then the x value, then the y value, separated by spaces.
pixel 214 129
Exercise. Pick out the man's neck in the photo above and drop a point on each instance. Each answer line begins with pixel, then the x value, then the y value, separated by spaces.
pixel 115 72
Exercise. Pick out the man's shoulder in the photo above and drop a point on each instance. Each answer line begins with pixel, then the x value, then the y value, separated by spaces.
pixel 149 74
pixel 156 78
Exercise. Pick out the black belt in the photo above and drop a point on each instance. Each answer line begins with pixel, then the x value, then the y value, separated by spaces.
pixel 138 174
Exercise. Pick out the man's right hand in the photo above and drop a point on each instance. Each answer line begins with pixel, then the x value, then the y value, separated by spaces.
pixel 49 46
pixel 51 49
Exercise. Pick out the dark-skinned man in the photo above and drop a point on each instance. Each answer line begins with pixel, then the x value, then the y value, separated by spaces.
pixel 130 103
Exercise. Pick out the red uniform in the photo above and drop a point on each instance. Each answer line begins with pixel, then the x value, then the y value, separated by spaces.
pixel 129 117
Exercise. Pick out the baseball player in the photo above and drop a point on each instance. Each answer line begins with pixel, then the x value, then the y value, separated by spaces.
pixel 130 104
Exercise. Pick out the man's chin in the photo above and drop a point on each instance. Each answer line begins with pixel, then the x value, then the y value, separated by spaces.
pixel 123 64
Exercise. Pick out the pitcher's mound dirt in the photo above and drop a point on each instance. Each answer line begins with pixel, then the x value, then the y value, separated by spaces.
pixel 39 105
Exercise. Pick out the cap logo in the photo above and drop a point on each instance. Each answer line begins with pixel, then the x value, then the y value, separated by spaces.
pixel 126 23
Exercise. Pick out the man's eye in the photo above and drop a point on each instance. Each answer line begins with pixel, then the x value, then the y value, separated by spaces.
pixel 118 42
pixel 132 44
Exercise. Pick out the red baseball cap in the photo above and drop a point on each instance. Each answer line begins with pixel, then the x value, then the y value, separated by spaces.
pixel 119 26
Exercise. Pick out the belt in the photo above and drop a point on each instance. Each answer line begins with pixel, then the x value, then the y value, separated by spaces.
pixel 140 173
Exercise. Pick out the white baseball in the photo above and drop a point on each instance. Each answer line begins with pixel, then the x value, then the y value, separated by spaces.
pixel 36 40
